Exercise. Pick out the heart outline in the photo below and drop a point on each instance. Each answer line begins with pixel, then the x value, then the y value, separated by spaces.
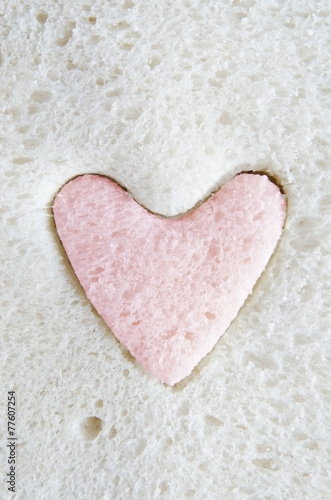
pixel 177 217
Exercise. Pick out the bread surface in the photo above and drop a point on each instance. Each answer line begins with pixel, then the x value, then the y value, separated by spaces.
pixel 171 99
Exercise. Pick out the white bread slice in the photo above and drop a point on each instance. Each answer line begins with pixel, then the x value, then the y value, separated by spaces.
pixel 171 99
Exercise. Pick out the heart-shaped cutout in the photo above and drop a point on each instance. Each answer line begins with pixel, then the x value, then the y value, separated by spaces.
pixel 169 287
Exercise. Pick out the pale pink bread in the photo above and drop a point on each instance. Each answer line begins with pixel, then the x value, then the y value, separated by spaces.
pixel 169 288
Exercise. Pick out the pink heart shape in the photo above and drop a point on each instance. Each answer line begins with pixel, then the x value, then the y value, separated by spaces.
pixel 169 288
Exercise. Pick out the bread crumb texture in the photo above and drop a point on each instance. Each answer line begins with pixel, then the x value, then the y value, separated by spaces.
pixel 171 99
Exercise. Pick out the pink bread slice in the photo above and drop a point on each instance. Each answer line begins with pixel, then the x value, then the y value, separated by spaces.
pixel 169 288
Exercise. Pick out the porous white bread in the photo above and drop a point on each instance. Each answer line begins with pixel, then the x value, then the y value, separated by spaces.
pixel 171 99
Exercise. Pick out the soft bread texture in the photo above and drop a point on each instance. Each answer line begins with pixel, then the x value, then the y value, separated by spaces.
pixel 171 99
pixel 169 288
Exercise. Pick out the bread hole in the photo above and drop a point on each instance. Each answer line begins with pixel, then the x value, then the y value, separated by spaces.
pixel 263 448
pixel 322 164
pixel 116 72
pixel 41 96
pixel 94 40
pixel 241 15
pixel 261 363
pixel 114 92
pixel 12 221
pixel 282 93
pixel 141 447
pixel 90 428
pixel 189 336
pixel 32 110
pixel 299 436
pixel 226 118
pixel 42 17
pixel 190 493
pixel 133 34
pixel 133 114
pixel 221 73
pixel 21 160
pixel 164 487
pixel 100 82
pixel 212 421
pixel 210 315
pixel 168 442
pixel 214 83
pixel 126 373
pixel 92 19
pixel 154 61
pixel 304 244
pixel 125 314
pixel 184 410
pixel 128 4
pixel 203 466
pixel 112 433
pixel 98 270
pixel 23 129
pixel 311 445
pixel 98 403
pixel 266 463
pixel 71 65
pixel 127 46
pixel 214 250
pixel 199 119
pixel 123 25
pixel 61 42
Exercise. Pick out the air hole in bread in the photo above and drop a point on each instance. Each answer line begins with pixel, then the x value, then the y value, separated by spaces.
pixel 266 463
pixel 154 61
pixel 199 119
pixel 164 487
pixel 127 46
pixel 92 19
pixel 141 447
pixel 128 4
pixel 112 433
pixel 210 315
pixel 22 160
pixel 226 118
pixel 212 421
pixel 61 42
pixel 41 96
pixel 123 25
pixel 98 403
pixel 114 92
pixel 42 17
pixel 90 427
